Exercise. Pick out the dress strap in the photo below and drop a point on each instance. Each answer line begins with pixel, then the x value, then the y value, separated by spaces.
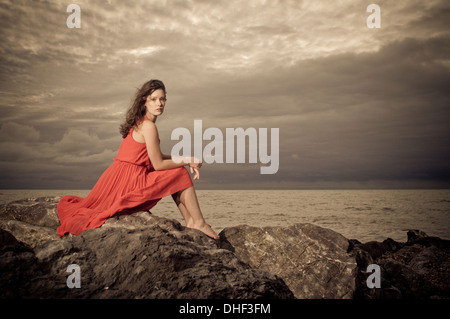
pixel 134 126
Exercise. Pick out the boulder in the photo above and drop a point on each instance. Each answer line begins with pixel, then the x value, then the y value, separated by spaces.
pixel 416 269
pixel 130 256
pixel 141 255
pixel 313 261
pixel 32 221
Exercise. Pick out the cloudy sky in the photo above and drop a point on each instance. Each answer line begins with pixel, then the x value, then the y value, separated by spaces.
pixel 356 107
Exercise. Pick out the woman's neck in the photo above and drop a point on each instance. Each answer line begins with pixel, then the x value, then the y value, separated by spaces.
pixel 151 117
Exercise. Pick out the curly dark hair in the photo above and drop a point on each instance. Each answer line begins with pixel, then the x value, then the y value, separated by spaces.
pixel 137 110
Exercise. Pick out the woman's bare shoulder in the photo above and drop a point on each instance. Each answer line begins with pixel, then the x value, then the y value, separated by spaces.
pixel 147 124
pixel 148 127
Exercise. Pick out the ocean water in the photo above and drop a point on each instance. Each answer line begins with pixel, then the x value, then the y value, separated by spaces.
pixel 357 214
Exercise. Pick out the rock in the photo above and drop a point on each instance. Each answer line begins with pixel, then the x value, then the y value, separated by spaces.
pixel 18 267
pixel 39 211
pixel 417 269
pixel 32 221
pixel 313 261
pixel 130 256
pixel 145 256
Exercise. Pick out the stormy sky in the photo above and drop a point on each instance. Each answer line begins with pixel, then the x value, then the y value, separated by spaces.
pixel 356 107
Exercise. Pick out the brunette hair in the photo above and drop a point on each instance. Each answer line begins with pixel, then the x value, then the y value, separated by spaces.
pixel 137 110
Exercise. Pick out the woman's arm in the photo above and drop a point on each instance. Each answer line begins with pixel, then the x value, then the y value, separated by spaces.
pixel 159 160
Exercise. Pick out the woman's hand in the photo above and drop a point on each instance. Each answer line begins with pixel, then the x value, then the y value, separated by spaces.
pixel 195 167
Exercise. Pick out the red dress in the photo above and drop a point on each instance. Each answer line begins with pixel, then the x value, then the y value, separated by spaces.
pixel 130 183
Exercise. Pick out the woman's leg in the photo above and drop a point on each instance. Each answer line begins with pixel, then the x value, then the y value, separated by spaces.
pixel 187 203
pixel 187 217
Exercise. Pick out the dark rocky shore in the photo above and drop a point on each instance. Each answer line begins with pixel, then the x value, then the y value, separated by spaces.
pixel 146 256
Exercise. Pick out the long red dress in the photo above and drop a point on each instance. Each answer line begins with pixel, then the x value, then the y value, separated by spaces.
pixel 130 183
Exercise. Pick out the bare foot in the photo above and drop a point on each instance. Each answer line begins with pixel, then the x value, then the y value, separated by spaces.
pixel 206 229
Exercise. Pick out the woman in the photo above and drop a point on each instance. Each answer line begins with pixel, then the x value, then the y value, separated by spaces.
pixel 139 176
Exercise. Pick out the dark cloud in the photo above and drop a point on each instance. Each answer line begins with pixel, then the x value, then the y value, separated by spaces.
pixel 356 107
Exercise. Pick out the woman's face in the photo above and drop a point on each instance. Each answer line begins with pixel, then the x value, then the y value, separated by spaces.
pixel 155 103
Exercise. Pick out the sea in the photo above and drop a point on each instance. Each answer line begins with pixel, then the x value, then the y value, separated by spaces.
pixel 365 215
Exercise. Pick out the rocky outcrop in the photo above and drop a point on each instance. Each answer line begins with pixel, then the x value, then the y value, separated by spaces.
pixel 313 261
pixel 130 256
pixel 32 221
pixel 416 269
pixel 146 256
